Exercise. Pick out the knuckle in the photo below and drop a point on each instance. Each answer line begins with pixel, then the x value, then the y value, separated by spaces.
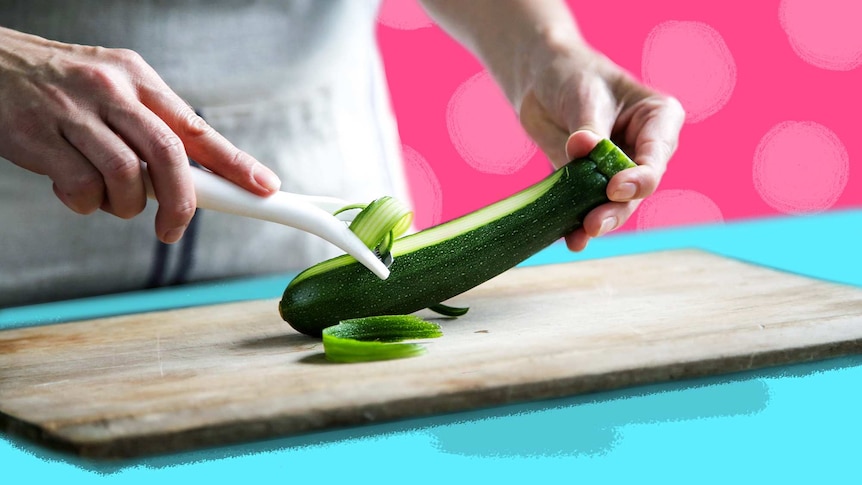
pixel 123 165
pixel 240 159
pixel 168 146
pixel 86 183
pixel 184 209
pixel 127 57
pixel 99 76
pixel 84 191
pixel 192 124
pixel 674 105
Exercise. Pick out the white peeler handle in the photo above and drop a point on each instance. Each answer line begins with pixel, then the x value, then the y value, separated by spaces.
pixel 312 214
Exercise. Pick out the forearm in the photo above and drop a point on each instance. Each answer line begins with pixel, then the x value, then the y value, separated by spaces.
pixel 16 49
pixel 512 38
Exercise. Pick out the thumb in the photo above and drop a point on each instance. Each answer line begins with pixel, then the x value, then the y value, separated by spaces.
pixel 591 119
pixel 581 143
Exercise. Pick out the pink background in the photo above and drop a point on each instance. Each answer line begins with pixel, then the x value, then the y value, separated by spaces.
pixel 771 90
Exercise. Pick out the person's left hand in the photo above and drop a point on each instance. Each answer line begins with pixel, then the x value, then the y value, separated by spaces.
pixel 578 97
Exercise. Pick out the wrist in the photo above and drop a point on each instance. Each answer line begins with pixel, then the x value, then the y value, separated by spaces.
pixel 559 54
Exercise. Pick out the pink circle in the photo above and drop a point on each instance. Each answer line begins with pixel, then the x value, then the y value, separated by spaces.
pixel 484 129
pixel 676 207
pixel 800 167
pixel 690 61
pixel 403 14
pixel 824 33
pixel 424 189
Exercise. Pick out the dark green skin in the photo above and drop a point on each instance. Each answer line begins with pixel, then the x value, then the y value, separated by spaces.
pixel 437 272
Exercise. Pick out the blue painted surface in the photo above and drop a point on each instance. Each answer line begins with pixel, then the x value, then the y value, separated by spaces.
pixel 792 424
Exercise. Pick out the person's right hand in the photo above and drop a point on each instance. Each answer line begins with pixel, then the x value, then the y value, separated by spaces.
pixel 86 116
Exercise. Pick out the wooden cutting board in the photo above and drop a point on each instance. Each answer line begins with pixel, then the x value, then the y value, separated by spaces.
pixel 157 382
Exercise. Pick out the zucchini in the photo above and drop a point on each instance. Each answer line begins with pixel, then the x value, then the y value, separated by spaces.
pixel 443 261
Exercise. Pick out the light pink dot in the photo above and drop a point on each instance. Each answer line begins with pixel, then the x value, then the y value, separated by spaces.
pixel 800 167
pixel 824 33
pixel 424 189
pixel 484 128
pixel 403 14
pixel 677 207
pixel 690 61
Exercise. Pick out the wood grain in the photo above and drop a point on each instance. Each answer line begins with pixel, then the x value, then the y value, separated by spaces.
pixel 165 381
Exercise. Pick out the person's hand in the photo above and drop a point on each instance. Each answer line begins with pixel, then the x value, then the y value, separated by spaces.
pixel 86 116
pixel 576 98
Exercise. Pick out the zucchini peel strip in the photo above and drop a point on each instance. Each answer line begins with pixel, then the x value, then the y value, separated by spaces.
pixel 377 338
pixel 380 222
pixel 449 311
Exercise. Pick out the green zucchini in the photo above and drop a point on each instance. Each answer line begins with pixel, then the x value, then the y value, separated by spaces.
pixel 443 261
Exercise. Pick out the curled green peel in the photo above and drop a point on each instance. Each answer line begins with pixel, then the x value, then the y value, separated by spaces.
pixel 378 225
pixel 449 311
pixel 380 222
pixel 377 338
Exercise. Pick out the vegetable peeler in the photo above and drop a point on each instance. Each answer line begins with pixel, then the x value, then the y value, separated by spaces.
pixel 309 213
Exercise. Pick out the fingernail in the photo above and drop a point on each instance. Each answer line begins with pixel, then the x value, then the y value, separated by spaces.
pixel 608 225
pixel 265 177
pixel 174 235
pixel 625 192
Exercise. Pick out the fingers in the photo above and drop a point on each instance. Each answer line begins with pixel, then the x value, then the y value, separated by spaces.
pixel 78 184
pixel 206 146
pixel 652 130
pixel 577 240
pixel 655 127
pixel 112 153
pixel 608 217
pixel 101 168
pixel 633 183
pixel 116 163
pixel 167 163
pixel 173 189
pixel 600 221
pixel 581 143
